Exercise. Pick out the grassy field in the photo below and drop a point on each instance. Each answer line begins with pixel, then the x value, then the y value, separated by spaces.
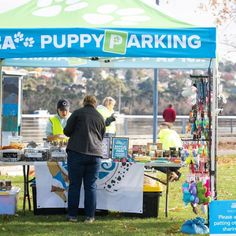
pixel 115 224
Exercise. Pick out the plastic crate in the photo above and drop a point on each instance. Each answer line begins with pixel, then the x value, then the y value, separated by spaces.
pixel 8 201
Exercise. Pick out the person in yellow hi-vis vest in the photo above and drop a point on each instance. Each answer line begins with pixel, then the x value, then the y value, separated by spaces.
pixel 107 112
pixel 170 139
pixel 56 124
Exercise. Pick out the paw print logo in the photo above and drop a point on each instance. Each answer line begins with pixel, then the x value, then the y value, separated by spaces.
pixel 116 15
pixel 50 8
pixel 112 14
pixel 18 37
pixel 29 42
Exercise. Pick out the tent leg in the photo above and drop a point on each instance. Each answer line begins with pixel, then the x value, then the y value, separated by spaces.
pixel 155 105
pixel 1 103
pixel 213 165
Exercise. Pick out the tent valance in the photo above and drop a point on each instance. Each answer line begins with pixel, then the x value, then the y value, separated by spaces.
pixel 125 42
pixel 114 62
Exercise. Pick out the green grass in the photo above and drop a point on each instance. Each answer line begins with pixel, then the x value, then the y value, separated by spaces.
pixel 115 224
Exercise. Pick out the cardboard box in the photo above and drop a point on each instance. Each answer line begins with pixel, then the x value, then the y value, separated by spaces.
pixel 8 201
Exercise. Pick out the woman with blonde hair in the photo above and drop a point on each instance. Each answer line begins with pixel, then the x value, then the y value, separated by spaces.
pixel 107 111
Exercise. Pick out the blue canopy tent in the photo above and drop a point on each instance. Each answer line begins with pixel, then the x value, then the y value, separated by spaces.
pixel 100 34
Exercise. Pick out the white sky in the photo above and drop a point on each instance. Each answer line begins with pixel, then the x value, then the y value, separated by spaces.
pixel 187 10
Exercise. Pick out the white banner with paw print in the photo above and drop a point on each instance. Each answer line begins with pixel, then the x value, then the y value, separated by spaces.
pixel 119 187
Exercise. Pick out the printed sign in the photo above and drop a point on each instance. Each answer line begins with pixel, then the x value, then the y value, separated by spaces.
pixel 120 147
pixel 86 42
pixel 223 218
pixel 106 148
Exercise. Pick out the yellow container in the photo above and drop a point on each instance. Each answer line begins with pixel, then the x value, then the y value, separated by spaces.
pixel 150 184
pixel 153 188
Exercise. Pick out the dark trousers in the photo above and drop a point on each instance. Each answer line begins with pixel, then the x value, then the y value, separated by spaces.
pixel 84 168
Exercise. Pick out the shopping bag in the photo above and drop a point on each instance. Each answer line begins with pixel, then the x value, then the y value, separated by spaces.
pixel 195 226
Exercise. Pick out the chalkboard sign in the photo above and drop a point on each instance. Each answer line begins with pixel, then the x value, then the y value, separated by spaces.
pixel 120 147
pixel 106 148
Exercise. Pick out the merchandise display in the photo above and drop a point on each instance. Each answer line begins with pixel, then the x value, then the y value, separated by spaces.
pixel 195 152
pixel 36 154
pixel 54 151
pixel 57 154
pixel 11 155
pixel 154 152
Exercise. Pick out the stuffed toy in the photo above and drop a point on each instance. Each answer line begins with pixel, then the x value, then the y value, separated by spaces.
pixel 190 158
pixel 193 191
pixel 201 190
pixel 208 192
pixel 186 193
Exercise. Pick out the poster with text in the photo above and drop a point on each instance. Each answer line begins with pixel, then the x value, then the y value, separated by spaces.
pixel 120 147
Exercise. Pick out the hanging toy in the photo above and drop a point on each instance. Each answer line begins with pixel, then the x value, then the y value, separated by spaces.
pixel 201 191
pixel 193 191
pixel 208 191
pixel 190 158
pixel 186 194
pixel 188 128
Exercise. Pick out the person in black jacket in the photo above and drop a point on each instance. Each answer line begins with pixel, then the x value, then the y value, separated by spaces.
pixel 85 129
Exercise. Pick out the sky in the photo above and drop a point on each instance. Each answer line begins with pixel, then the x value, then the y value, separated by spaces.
pixel 187 10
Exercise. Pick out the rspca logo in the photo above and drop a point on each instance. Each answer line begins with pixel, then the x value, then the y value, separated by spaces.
pixel 18 39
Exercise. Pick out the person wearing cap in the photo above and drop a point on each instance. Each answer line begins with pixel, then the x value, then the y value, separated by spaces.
pixel 56 124
pixel 85 129
pixel 107 111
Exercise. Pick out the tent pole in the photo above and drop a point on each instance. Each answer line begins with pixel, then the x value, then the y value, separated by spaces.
pixel 155 105
pixel 1 102
pixel 214 132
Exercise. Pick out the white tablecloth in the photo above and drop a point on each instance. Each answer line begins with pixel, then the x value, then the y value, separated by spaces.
pixel 119 187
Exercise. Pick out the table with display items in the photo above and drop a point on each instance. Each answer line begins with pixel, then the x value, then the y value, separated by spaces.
pixel 148 166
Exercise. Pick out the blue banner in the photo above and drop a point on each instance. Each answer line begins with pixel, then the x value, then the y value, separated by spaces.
pixel 223 218
pixel 88 42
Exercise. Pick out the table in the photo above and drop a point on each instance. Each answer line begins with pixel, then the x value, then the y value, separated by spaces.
pixel 149 165
pixel 154 165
